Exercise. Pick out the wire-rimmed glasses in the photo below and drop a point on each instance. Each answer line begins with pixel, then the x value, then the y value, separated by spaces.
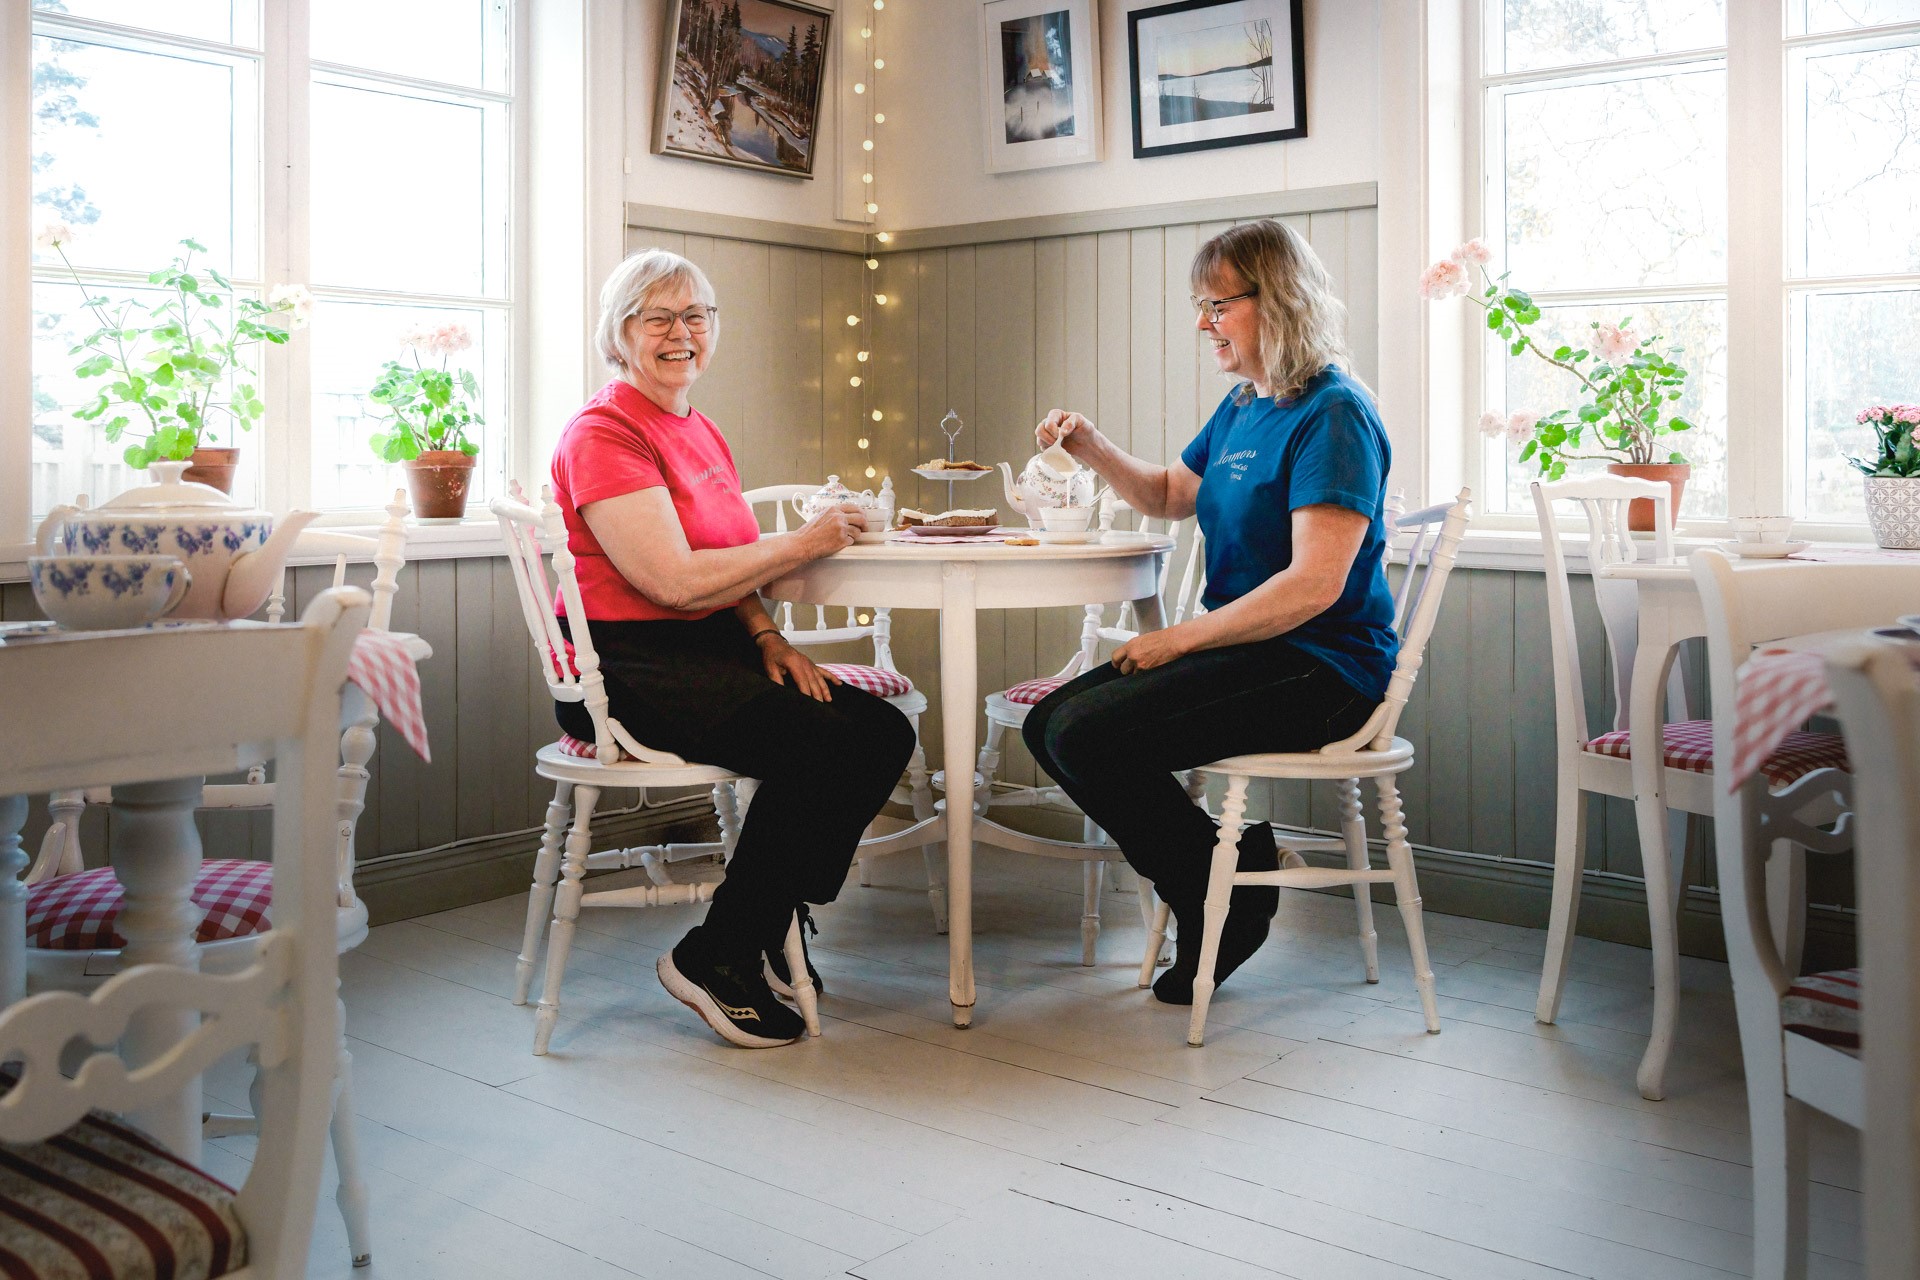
pixel 659 321
pixel 1214 308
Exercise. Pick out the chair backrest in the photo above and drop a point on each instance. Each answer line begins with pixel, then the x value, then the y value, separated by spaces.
pixel 572 670
pixel 1432 540
pixel 231 696
pixel 879 630
pixel 387 550
pixel 1605 500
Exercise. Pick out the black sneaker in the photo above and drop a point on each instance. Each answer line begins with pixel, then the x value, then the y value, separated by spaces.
pixel 1250 912
pixel 732 999
pixel 777 976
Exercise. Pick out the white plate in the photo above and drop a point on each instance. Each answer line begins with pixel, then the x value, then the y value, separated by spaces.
pixel 1762 550
pixel 931 473
pixel 1911 621
pixel 1063 537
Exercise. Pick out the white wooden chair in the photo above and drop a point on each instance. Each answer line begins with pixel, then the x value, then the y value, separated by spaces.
pixel 881 677
pixel 1788 1068
pixel 72 920
pixel 88 711
pixel 1373 752
pixel 614 759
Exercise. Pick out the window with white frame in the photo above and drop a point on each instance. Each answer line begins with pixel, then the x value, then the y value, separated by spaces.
pixel 1605 129
pixel 157 121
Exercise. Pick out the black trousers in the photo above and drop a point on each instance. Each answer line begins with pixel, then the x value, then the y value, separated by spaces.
pixel 699 690
pixel 1113 742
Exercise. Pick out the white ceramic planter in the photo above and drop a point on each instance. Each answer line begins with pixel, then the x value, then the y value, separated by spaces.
pixel 1893 510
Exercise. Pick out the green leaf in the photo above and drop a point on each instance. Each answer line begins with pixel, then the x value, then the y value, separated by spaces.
pixel 1676 456
pixel 1562 352
pixel 1495 320
pixel 1531 447
pixel 1519 345
pixel 93 368
pixel 1679 424
pixel 469 448
pixel 141 456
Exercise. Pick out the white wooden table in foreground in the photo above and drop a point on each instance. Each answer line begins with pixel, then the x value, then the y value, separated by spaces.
pixel 959 579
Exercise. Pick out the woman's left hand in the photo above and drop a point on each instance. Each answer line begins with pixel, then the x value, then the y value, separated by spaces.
pixel 784 662
pixel 1149 650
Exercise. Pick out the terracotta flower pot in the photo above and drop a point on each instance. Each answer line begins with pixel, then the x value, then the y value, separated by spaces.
pixel 1640 510
pixel 214 467
pixel 438 480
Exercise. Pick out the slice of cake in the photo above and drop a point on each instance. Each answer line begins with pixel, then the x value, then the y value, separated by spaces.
pixel 949 519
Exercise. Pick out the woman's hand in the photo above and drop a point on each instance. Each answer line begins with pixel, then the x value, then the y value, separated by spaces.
pixel 1071 431
pixel 784 662
pixel 831 531
pixel 1149 650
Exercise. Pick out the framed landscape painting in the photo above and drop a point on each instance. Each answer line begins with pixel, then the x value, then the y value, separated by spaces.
pixel 1216 73
pixel 740 83
pixel 1040 82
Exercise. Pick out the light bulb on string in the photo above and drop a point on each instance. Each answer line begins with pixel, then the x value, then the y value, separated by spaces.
pixel 873 264
pixel 879 4
pixel 876 415
pixel 872 207
pixel 863 442
pixel 880 298
pixel 866 177
pixel 871 473
pixel 866 33
pixel 861 356
pixel 867 145
pixel 853 320
pixel 885 237
pixel 879 118
pixel 859 88
pixel 854 381
pixel 879 64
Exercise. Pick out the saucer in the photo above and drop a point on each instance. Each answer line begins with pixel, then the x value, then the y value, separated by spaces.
pixel 942 473
pixel 1762 550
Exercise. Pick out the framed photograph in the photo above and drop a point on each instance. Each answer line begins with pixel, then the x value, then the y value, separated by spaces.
pixel 1040 82
pixel 740 83
pixel 1216 73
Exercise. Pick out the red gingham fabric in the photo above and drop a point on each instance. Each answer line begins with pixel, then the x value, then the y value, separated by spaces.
pixel 77 912
pixel 1825 1007
pixel 1778 691
pixel 1030 692
pixel 573 746
pixel 381 665
pixel 1689 746
pixel 883 684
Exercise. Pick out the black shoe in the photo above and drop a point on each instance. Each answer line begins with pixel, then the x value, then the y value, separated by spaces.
pixel 777 976
pixel 1250 913
pixel 733 999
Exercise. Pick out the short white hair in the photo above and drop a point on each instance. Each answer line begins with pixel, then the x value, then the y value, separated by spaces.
pixel 636 282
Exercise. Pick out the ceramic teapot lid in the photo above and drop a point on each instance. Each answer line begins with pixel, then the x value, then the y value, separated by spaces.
pixel 170 495
pixel 834 492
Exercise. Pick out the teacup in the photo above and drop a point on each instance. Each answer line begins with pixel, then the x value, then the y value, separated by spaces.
pixel 1761 529
pixel 107 593
pixel 1066 519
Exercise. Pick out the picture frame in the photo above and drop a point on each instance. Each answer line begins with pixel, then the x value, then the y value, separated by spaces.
pixel 745 95
pixel 1216 73
pixel 1039 83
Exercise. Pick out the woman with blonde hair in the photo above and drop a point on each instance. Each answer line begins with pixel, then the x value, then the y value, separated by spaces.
pixel 670 561
pixel 1288 478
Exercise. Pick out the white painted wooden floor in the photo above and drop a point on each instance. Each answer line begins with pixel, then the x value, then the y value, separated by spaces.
pixel 1070 1133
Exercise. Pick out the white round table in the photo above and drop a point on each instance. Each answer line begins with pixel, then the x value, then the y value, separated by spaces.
pixel 958 579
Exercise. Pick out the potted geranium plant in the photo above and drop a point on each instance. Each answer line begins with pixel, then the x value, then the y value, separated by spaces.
pixel 174 367
pixel 1628 386
pixel 429 409
pixel 1893 478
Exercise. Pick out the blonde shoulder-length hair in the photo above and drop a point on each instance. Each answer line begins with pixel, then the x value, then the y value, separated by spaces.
pixel 1302 325
pixel 637 281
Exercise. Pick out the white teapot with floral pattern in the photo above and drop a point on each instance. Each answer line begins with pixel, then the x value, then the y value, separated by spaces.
pixel 1052 478
pixel 877 511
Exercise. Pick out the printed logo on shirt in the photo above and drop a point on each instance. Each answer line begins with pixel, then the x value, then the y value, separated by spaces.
pixel 1236 463
pixel 714 473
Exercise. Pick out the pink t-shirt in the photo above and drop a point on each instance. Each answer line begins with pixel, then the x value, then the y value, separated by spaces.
pixel 622 442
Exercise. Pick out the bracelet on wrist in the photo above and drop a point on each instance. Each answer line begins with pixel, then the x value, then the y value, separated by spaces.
pixel 764 631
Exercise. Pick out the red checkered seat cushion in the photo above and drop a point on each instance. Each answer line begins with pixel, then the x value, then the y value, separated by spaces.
pixel 1029 692
pixel 875 680
pixel 1689 746
pixel 1825 1007
pixel 78 912
pixel 573 746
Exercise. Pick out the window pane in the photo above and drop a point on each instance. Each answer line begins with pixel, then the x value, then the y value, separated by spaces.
pixel 1806 17
pixel 227 21
pixel 1850 350
pixel 452 41
pixel 1856 159
pixel 1699 326
pixel 440 226
pixel 351 341
pixel 1614 184
pixel 114 169
pixel 1525 34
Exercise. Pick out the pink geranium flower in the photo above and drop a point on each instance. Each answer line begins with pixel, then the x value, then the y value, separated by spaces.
pixel 1473 253
pixel 1520 426
pixel 1492 425
pixel 1613 344
pixel 1443 280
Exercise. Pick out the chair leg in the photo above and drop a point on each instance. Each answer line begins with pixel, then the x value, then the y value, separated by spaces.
pixel 920 787
pixel 566 911
pixel 546 869
pixel 1093 876
pixel 1213 920
pixel 1353 827
pixel 351 1195
pixel 1406 895
pixel 1569 866
pixel 987 765
pixel 804 994
pixel 1787 902
pixel 1778 1125
pixel 1156 934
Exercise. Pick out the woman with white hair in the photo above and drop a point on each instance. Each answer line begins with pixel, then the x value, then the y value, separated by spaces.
pixel 1288 478
pixel 670 562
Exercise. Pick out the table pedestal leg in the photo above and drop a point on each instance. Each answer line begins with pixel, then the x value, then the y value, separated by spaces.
pixel 959 691
pixel 155 852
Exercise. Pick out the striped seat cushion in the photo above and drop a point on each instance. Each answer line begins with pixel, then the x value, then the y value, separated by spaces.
pixel 1689 746
pixel 1825 1007
pixel 102 1201
pixel 78 912
pixel 875 680
pixel 1029 692
pixel 573 746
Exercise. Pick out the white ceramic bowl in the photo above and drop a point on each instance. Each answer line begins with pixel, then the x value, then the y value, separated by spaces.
pixel 1765 529
pixel 1066 519
pixel 107 593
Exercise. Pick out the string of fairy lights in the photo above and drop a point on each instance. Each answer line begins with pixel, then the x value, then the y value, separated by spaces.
pixel 866 88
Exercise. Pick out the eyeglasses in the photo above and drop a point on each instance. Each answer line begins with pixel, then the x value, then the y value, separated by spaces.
pixel 660 322
pixel 1216 307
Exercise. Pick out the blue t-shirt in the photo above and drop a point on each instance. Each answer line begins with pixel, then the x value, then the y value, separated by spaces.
pixel 1258 461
